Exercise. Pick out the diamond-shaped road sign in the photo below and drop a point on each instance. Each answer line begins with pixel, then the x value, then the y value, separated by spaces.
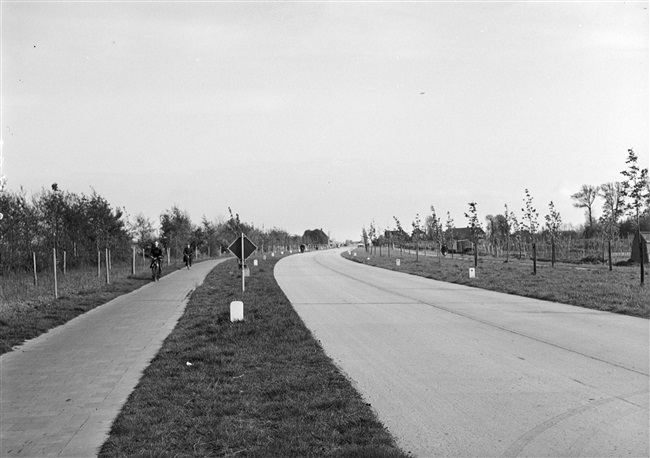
pixel 247 247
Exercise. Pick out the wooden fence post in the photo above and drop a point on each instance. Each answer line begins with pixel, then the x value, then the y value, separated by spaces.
pixel 99 264
pixel 108 275
pixel 56 286
pixel 64 261
pixel 35 278
pixel 133 263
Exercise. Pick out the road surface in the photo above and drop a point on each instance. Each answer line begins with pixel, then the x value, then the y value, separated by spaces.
pixel 458 371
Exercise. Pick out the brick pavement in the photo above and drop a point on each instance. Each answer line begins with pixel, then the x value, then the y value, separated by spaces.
pixel 61 391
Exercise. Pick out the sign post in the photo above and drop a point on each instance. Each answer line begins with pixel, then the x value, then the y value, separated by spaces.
pixel 242 248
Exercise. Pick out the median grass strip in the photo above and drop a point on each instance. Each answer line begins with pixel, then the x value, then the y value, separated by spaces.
pixel 593 287
pixel 262 387
pixel 81 290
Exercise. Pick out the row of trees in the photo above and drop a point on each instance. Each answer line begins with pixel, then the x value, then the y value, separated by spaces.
pixel 83 225
pixel 630 197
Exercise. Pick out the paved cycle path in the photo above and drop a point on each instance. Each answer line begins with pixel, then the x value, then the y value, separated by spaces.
pixel 60 392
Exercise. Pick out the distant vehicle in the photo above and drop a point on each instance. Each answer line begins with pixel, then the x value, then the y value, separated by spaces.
pixel 360 245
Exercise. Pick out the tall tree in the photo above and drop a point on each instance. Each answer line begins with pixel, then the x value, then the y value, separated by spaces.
pixel 176 229
pixel 510 224
pixel 612 194
pixel 635 190
pixel 450 233
pixel 585 199
pixel 416 235
pixel 530 224
pixel 475 228
pixel 553 223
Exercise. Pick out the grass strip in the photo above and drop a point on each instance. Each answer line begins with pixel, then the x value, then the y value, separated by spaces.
pixel 262 387
pixel 618 291
pixel 24 320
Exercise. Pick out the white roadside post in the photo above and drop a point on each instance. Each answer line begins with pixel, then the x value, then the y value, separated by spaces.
pixel 242 248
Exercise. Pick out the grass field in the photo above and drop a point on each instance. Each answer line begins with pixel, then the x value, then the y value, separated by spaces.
pixel 589 286
pixel 258 388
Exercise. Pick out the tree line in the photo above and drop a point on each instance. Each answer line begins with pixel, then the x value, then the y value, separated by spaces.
pixel 81 225
pixel 625 212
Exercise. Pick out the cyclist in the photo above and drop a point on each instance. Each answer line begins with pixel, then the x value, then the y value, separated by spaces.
pixel 187 256
pixel 156 253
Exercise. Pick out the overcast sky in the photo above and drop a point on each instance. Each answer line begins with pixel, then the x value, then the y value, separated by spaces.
pixel 324 115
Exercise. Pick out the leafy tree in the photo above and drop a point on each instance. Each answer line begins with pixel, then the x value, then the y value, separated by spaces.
pixel 450 233
pixel 142 231
pixel 417 234
pixel 612 194
pixel 636 191
pixel 530 224
pixel 176 229
pixel 372 235
pixel 553 223
pixel 402 236
pixel 434 229
pixel 475 228
pixel 364 237
pixel 510 224
pixel 585 199
pixel 315 237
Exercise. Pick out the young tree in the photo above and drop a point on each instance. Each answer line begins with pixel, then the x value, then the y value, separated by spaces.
pixel 372 235
pixel 401 233
pixel 475 228
pixel 585 199
pixel 416 235
pixel 553 223
pixel 450 232
pixel 364 237
pixel 510 224
pixel 434 229
pixel 612 194
pixel 530 224
pixel 635 189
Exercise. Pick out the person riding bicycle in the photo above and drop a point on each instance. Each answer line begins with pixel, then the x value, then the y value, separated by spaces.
pixel 187 255
pixel 156 253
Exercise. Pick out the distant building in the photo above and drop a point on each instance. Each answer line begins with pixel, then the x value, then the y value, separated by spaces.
pixel 463 239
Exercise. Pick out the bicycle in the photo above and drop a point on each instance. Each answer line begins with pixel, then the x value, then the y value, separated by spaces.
pixel 156 269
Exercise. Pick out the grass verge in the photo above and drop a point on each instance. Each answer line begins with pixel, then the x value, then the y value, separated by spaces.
pixel 21 320
pixel 618 291
pixel 258 388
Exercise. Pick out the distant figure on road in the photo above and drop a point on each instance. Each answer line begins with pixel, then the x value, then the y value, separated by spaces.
pixel 187 256
pixel 443 250
pixel 302 247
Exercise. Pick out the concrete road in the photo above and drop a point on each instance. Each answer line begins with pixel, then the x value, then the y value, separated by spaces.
pixel 61 391
pixel 458 371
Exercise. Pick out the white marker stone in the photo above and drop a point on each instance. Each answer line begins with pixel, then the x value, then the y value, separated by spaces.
pixel 236 311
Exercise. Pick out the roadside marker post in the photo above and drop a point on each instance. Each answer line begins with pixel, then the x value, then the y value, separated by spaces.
pixel 242 248
pixel 472 272
pixel 236 311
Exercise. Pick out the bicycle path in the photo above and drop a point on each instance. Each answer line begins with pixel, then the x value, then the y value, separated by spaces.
pixel 61 391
